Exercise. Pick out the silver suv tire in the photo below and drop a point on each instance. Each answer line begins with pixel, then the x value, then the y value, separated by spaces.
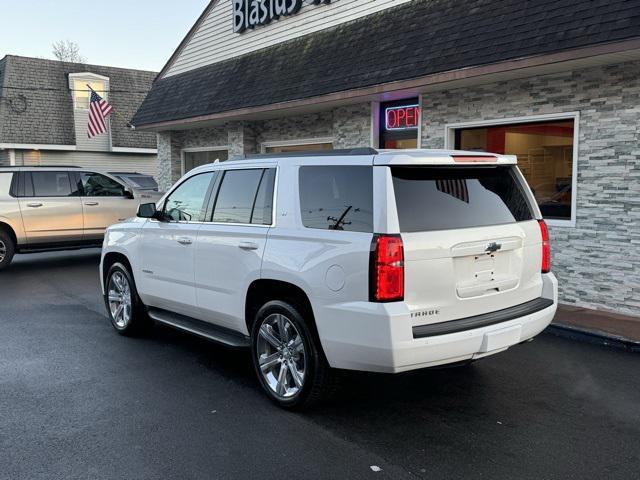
pixel 7 249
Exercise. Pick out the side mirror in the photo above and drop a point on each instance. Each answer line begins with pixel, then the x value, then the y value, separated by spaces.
pixel 147 210
pixel 128 194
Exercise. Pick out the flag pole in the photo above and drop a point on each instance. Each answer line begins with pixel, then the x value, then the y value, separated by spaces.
pixel 132 127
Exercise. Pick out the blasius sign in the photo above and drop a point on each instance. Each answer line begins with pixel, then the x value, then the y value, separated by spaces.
pixel 253 13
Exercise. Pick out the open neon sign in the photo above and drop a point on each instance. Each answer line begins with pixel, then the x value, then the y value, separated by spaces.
pixel 405 117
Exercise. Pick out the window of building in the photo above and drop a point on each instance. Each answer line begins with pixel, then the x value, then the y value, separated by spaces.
pixel 97 185
pixel 337 198
pixel 298 146
pixel 187 202
pixel 545 156
pixel 49 184
pixel 399 123
pixel 82 94
pixel 197 158
pixel 238 197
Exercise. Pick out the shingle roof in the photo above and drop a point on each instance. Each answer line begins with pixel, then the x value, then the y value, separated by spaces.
pixel 412 40
pixel 48 117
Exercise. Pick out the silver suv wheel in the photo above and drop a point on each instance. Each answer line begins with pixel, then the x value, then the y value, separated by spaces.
pixel 119 299
pixel 3 251
pixel 281 356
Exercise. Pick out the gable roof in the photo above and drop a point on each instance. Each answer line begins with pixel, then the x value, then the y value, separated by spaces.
pixel 43 104
pixel 415 39
pixel 185 41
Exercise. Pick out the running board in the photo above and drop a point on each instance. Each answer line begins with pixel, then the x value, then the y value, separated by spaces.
pixel 198 327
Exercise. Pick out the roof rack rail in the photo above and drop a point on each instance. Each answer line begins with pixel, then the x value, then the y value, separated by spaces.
pixel 126 173
pixel 316 153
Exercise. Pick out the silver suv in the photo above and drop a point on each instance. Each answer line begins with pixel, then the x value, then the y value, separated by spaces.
pixel 60 208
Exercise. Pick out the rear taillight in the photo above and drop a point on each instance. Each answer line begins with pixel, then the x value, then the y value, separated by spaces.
pixel 386 270
pixel 546 247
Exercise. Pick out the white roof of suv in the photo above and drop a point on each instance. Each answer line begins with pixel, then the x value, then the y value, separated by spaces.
pixel 370 156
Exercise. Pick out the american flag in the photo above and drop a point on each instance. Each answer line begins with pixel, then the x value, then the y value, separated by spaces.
pixel 457 188
pixel 99 110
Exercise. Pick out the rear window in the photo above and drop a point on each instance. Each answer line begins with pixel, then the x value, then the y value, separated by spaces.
pixel 442 198
pixel 143 182
pixel 5 182
pixel 337 198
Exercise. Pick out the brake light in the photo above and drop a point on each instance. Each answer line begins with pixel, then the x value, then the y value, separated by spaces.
pixel 473 158
pixel 546 247
pixel 386 269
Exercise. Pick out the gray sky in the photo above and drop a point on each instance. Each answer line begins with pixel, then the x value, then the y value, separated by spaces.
pixel 121 33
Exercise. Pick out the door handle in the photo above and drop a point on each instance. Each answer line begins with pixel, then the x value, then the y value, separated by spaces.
pixel 91 204
pixel 184 241
pixel 34 205
pixel 248 245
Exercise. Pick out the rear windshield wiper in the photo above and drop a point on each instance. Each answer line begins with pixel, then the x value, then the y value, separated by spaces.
pixel 339 222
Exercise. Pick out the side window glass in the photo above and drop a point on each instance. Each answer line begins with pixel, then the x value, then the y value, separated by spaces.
pixel 96 185
pixel 263 207
pixel 51 184
pixel 186 202
pixel 337 198
pixel 236 196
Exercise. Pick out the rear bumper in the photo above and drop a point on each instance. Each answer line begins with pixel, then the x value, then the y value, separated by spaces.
pixel 380 338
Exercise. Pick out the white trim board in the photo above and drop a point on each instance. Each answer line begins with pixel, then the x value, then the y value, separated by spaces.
pixel 151 151
pixel 36 146
pixel 297 141
pixel 449 143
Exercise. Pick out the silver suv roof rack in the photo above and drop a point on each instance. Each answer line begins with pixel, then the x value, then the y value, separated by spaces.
pixel 40 166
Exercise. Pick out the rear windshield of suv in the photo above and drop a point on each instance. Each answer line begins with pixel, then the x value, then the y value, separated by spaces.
pixel 444 198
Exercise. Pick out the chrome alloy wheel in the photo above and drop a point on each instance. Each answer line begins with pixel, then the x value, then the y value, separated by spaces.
pixel 281 355
pixel 3 251
pixel 119 296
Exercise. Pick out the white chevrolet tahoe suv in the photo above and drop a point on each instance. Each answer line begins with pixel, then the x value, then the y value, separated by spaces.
pixel 361 260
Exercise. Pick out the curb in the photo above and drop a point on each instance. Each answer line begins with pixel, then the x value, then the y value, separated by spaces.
pixel 594 337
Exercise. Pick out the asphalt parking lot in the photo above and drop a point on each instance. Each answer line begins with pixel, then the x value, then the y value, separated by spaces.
pixel 79 401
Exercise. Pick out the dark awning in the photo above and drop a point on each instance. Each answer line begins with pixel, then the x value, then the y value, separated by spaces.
pixel 415 39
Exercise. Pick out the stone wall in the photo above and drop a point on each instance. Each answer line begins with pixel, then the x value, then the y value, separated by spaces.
pixel 597 261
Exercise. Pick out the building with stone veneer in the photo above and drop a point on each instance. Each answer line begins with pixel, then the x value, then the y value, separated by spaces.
pixel 556 83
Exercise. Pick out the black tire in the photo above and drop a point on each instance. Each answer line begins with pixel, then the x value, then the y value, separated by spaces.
pixel 318 379
pixel 137 321
pixel 7 249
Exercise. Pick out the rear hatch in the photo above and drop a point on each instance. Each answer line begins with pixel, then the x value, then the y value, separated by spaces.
pixel 472 244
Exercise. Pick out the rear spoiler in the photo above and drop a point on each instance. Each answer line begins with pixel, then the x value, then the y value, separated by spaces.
pixel 442 157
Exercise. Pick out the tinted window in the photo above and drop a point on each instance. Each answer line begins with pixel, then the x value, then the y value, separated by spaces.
pixel 49 184
pixel 337 198
pixel 186 203
pixel 263 207
pixel 96 185
pixel 142 181
pixel 431 198
pixel 236 196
